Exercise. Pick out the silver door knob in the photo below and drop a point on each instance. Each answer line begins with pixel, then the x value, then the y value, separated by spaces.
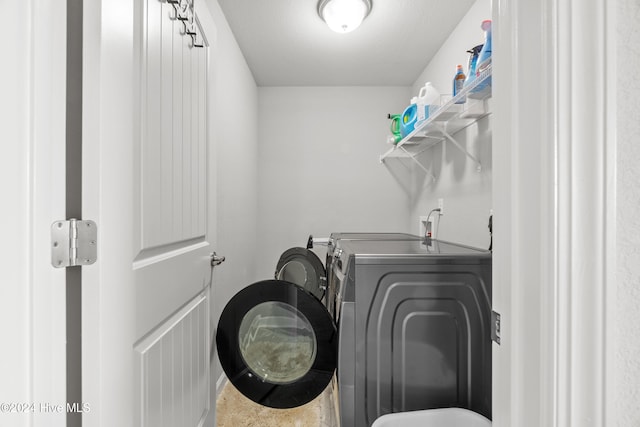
pixel 216 259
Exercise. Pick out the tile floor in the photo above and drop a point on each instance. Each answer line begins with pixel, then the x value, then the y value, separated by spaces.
pixel 235 410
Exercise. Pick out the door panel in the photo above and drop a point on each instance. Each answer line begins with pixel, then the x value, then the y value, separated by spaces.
pixel 174 184
pixel 168 283
pixel 174 367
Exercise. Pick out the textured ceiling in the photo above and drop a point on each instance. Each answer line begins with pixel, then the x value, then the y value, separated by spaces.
pixel 286 43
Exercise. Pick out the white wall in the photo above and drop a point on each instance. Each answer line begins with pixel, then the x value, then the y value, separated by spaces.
pixel 319 169
pixel 235 175
pixel 627 341
pixel 466 192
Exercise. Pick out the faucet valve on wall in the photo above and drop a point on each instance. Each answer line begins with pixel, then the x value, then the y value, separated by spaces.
pixel 428 229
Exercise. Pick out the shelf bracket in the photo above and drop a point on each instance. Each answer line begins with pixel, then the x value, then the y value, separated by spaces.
pixel 461 148
pixel 412 157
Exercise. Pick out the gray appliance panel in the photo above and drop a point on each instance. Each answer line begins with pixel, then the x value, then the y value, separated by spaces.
pixel 334 238
pixel 416 249
pixel 424 316
pixel 334 276
pixel 427 340
pixel 346 370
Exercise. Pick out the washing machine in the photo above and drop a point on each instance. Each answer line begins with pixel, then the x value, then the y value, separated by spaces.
pixel 404 321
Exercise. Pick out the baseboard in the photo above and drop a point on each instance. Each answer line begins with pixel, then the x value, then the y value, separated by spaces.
pixel 222 380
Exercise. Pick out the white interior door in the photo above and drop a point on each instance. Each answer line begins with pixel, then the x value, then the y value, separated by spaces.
pixel 146 178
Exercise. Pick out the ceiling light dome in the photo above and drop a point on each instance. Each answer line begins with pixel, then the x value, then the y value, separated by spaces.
pixel 343 16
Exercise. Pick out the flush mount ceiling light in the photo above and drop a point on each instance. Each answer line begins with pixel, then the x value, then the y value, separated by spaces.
pixel 343 16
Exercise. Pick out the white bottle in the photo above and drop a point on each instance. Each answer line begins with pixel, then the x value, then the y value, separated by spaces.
pixel 427 101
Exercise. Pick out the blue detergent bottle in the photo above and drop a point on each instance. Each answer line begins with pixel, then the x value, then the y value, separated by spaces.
pixel 409 118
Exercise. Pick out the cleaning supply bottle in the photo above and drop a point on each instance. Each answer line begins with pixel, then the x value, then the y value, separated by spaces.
pixel 484 59
pixel 395 136
pixel 484 62
pixel 428 101
pixel 474 52
pixel 458 84
pixel 408 118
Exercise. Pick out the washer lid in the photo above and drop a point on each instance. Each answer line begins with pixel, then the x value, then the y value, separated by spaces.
pixel 277 344
pixel 302 267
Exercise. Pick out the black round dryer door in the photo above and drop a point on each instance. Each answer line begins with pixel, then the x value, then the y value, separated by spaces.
pixel 277 344
pixel 302 267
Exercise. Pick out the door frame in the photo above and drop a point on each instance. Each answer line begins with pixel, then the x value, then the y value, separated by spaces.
pixel 554 387
pixel 32 177
pixel 554 201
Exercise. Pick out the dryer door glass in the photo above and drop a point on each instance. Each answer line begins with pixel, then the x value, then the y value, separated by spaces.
pixel 277 344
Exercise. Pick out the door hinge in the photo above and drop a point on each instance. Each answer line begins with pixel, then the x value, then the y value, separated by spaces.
pixel 73 242
pixel 495 327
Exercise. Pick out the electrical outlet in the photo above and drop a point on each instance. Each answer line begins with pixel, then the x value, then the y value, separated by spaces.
pixel 428 225
pixel 422 226
pixel 441 206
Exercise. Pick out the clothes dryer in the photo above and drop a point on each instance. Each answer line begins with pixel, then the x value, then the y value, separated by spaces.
pixel 413 321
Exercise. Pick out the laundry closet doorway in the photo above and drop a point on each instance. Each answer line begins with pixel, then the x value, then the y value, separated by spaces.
pixel 109 366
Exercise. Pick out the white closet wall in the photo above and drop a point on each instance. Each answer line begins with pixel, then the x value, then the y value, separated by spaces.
pixel 318 166
pixel 465 191
pixel 234 178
